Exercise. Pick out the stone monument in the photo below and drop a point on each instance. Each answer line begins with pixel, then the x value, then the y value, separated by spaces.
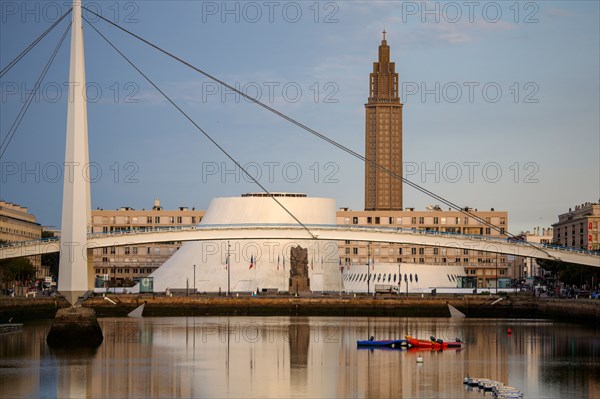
pixel 299 281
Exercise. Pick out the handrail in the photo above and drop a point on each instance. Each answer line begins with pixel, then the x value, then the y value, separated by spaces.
pixel 155 229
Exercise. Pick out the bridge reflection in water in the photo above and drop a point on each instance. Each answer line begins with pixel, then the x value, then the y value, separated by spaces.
pixel 301 357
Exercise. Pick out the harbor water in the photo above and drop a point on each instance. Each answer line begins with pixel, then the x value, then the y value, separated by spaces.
pixel 302 357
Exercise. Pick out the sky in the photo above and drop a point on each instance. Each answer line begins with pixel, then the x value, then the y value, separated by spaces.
pixel 501 102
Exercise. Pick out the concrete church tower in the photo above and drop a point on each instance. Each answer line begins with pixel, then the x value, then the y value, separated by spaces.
pixel 383 135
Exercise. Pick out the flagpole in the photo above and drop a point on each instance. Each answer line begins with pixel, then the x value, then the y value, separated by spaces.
pixel 228 268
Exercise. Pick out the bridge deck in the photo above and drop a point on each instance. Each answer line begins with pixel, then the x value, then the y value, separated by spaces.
pixel 321 232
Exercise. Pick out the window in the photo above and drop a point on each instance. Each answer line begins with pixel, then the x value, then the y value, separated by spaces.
pixel 465 251
pixel 112 250
pixel 502 221
pixel 347 252
pixel 399 252
pixel 435 251
pixel 369 220
pixel 135 250
pixel 487 230
pixel 413 220
pixel 148 251
pixel 156 219
pixel 179 219
pixel 172 219
pixel 355 220
pixel 436 220
pixel 104 251
pixel 193 219
pixel 421 220
pixel 413 251
pixel 105 229
pixel 127 250
pixel 354 251
pixel 391 220
pixel 421 251
pixel 149 220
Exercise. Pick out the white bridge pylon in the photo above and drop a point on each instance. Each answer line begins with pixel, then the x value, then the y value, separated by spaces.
pixel 76 204
pixel 287 232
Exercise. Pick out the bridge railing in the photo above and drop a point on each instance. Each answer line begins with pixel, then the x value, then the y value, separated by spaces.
pixel 352 227
pixel 157 229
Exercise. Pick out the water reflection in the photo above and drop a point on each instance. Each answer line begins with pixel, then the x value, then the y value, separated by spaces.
pixel 301 357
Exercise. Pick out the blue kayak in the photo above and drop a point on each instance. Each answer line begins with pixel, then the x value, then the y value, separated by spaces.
pixel 389 343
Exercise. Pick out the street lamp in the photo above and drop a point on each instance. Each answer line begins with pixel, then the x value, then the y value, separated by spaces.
pixel 369 269
pixel 228 268
pixel 496 273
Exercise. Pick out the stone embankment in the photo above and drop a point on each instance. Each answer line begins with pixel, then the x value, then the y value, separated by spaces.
pixel 513 306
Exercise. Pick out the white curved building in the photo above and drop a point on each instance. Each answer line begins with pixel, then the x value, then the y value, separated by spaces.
pixel 412 277
pixel 270 259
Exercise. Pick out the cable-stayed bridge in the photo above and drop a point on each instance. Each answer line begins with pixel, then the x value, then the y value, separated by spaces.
pixel 76 207
pixel 250 232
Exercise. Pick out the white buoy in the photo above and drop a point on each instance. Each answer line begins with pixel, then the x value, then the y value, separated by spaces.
pixel 419 359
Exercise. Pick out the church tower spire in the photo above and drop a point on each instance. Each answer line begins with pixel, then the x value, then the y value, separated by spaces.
pixel 383 134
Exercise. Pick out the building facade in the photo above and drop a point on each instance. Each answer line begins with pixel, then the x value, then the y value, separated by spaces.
pixel 17 224
pixel 579 228
pixel 486 268
pixel 383 138
pixel 538 236
pixel 132 262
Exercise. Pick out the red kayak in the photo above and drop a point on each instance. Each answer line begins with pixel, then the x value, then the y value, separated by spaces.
pixel 432 344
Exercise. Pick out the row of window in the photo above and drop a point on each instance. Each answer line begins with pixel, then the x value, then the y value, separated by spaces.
pixel 419 220
pixel 142 270
pixel 134 250
pixel 413 251
pixel 379 277
pixel 23 233
pixel 473 271
pixel 150 220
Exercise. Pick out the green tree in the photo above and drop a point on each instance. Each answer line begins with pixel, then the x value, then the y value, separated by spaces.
pixel 571 273
pixel 16 269
pixel 50 260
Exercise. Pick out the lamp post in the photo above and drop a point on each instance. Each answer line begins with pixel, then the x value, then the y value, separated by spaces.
pixel 399 278
pixel 369 269
pixel 496 273
pixel 228 268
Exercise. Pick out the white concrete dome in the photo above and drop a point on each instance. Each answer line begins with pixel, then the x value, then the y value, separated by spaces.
pixel 270 258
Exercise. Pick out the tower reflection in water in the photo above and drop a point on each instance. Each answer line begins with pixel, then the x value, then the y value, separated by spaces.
pixel 301 357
